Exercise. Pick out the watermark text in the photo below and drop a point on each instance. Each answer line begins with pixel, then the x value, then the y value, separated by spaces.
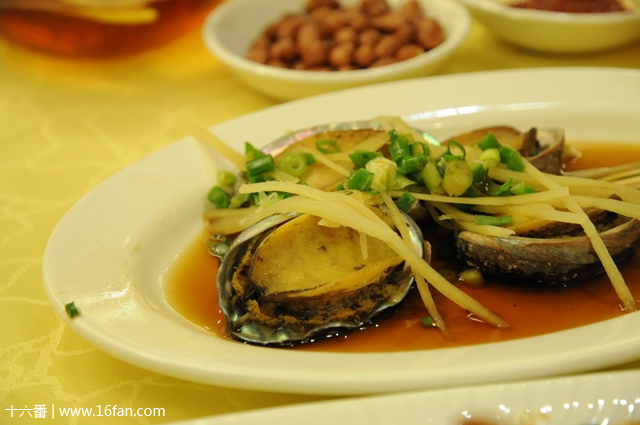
pixel 44 411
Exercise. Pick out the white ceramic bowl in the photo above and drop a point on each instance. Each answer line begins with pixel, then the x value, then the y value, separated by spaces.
pixel 231 28
pixel 558 32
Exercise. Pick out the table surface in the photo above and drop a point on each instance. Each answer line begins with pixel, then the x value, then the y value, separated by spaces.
pixel 67 125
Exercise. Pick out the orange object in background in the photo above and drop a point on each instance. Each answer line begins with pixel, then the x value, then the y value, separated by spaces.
pixel 101 29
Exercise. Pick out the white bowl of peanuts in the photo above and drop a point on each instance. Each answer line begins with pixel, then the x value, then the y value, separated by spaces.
pixel 289 49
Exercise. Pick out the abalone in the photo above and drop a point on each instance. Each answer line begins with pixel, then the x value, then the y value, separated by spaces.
pixel 289 279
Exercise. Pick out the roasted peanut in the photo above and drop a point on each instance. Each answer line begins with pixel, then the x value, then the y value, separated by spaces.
pixel 383 62
pixel 345 35
pixel 363 56
pixel 429 33
pixel 259 50
pixel 340 55
pixel 314 54
pixel 315 4
pixel 374 7
pixel 356 19
pixel 308 33
pixel 289 26
pixel 283 49
pixel 388 21
pixel 277 63
pixel 326 36
pixel 408 51
pixel 404 33
pixel 411 10
pixel 370 36
pixel 387 47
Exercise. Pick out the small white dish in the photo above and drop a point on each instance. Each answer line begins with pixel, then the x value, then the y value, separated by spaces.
pixel 231 28
pixel 558 32
pixel 606 398
pixel 112 252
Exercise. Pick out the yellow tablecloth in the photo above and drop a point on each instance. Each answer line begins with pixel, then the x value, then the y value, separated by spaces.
pixel 67 125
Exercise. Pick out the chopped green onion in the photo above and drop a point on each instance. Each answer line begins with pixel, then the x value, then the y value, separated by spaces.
pixel 412 164
pixel 419 148
pixel 489 142
pixel 490 157
pixel 294 164
pixel 251 153
pixel 327 146
pixel 431 176
pixel 505 188
pixel 226 178
pixel 522 189
pixel 457 178
pixel 360 158
pixel 451 155
pixel 484 184
pixel 72 310
pixel 238 200
pixel 219 197
pixel 406 201
pixel 400 182
pixel 384 172
pixel 361 180
pixel 309 158
pixel 511 158
pixel 491 220
pixel 399 147
pixel 428 322
pixel 259 166
pixel 453 145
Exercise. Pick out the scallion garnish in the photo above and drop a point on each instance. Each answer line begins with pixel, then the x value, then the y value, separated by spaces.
pixel 251 152
pixel 511 158
pixel 360 180
pixel 294 164
pixel 360 158
pixel 412 164
pixel 399 147
pixel 431 176
pixel 219 197
pixel 226 178
pixel 489 142
pixel 327 146
pixel 71 309
pixel 454 152
pixel 428 322
pixel 522 189
pixel 500 220
pixel 457 177
pixel 258 166
pixel 419 148
pixel 406 201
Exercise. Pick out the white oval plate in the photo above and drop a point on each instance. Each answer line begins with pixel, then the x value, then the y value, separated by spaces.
pixel 612 399
pixel 110 253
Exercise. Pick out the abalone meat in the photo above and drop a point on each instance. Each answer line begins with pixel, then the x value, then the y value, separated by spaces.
pixel 289 279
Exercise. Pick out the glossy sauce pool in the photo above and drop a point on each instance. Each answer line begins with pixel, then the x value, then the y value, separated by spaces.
pixel 191 291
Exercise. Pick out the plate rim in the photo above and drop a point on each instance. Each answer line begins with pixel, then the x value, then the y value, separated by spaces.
pixel 231 374
pixel 576 390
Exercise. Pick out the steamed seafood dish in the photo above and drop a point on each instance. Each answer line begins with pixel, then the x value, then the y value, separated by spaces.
pixel 323 229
